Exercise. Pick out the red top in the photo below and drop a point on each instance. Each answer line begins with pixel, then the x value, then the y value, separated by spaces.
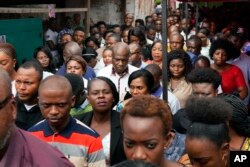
pixel 232 79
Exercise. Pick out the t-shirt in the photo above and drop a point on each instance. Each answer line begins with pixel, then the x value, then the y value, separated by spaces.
pixel 231 79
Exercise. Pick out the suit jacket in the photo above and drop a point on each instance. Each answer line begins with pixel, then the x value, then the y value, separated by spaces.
pixel 116 142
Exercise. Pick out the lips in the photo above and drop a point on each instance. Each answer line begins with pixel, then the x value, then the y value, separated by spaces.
pixel 102 103
pixel 54 120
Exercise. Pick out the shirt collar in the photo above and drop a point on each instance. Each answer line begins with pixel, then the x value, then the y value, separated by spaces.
pixel 122 74
pixel 66 132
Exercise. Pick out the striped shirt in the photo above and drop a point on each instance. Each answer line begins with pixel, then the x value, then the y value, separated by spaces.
pixel 79 143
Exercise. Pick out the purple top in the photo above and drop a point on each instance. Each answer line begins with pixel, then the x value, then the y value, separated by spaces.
pixel 25 150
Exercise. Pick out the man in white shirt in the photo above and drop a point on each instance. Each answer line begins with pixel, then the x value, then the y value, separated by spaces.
pixel 119 70
pixel 51 36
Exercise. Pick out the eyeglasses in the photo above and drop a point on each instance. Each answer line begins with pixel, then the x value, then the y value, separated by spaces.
pixel 5 101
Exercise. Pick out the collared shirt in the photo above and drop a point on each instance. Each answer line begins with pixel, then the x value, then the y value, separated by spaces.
pixel 79 143
pixel 121 83
pixel 25 150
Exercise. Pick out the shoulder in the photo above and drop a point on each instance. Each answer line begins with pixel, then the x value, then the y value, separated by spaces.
pixel 37 127
pixel 39 150
pixel 83 129
pixel 172 164
pixel 105 71
pixel 132 68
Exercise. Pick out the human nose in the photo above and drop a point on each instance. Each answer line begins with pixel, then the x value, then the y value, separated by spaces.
pixel 53 110
pixel 139 154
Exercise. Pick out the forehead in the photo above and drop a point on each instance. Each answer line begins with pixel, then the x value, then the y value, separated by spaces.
pixel 98 84
pixel 121 53
pixel 192 43
pixel 28 74
pixel 175 38
pixel 177 61
pixel 138 81
pixel 53 94
pixel 202 86
pixel 142 128
pixel 4 55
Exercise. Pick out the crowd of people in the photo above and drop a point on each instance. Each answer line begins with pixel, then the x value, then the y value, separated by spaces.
pixel 96 98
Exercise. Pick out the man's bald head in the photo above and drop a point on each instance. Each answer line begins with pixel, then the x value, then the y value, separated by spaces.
pixel 71 48
pixel 55 82
pixel 5 83
pixel 121 47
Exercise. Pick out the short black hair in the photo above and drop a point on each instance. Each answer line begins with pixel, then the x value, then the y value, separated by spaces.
pixel 209 117
pixel 112 87
pixel 136 31
pixel 79 29
pixel 93 39
pixel 204 31
pixel 205 75
pixel 146 75
pixel 33 64
pixel 76 83
pixel 196 39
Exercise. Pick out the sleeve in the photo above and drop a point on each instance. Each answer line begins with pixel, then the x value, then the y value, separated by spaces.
pixel 239 79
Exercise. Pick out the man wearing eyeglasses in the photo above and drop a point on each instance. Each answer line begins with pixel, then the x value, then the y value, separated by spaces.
pixel 17 147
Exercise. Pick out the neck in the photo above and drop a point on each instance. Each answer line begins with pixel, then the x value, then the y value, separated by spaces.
pixel 236 140
pixel 58 129
pixel 13 75
pixel 101 117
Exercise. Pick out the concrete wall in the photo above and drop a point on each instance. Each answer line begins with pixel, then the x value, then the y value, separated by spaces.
pixel 109 11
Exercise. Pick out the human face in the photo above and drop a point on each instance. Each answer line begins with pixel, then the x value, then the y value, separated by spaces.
pixel 138 87
pixel 92 45
pixel 117 30
pixel 107 57
pixel 128 20
pixel 203 38
pixel 79 37
pixel 177 67
pixel 110 42
pixel 176 42
pixel 7 114
pixel 204 90
pixel 144 139
pixel 100 96
pixel 157 52
pixel 151 34
pixel 125 36
pixel 193 47
pixel 149 21
pixel 55 105
pixel 27 83
pixel 102 29
pixel 220 57
pixel 7 63
pixel 158 25
pixel 120 60
pixel 204 153
pixel 43 59
pixel 134 39
pixel 66 38
pixel 135 56
pixel 75 68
